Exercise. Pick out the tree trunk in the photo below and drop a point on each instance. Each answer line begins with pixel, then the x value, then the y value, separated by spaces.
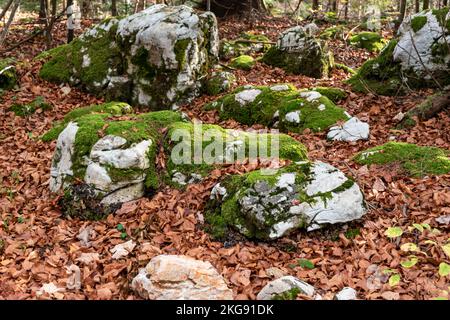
pixel 315 5
pixel 334 6
pixel 70 22
pixel 5 9
pixel 114 8
pixel 10 20
pixel 417 6
pixel 426 4
pixel 232 7
pixel 346 10
pixel 445 3
pixel 401 17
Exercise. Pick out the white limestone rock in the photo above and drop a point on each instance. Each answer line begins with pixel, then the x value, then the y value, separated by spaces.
pixel 247 96
pixel 172 277
pixel 284 284
pixel 352 130
pixel 346 293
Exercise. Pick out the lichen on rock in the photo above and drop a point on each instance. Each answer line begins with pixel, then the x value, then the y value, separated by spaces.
pixel 281 106
pixel 156 58
pixel 300 53
pixel 269 205
pixel 416 161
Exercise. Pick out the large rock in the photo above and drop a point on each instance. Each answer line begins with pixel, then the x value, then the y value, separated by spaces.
pixel 300 53
pixel 171 277
pixel 269 206
pixel 106 155
pixel 418 57
pixel 154 58
pixel 281 106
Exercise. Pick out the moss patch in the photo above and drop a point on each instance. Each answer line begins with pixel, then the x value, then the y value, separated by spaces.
pixel 334 94
pixel 243 62
pixel 234 48
pixel 417 161
pixel 317 114
pixel 370 41
pixel 418 22
pixel 23 110
pixel 219 82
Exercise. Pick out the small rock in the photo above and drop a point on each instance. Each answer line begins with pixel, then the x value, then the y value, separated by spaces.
pixel 283 284
pixel 123 249
pixel 443 220
pixel 346 293
pixel 352 130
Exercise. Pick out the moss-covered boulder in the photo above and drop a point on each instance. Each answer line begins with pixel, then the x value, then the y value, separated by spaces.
pixel 416 161
pixel 243 62
pixel 219 82
pixel 154 58
pixel 106 155
pixel 418 57
pixel 247 43
pixel 281 106
pixel 8 77
pixel 268 205
pixel 370 41
pixel 299 53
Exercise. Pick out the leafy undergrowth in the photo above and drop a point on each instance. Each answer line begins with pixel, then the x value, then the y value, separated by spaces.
pixel 38 245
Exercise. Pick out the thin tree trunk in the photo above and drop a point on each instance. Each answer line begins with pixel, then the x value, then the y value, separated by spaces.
pixel 5 9
pixel 70 21
pixel 445 3
pixel 10 20
pixel 114 8
pixel 346 10
pixel 417 6
pixel 426 4
pixel 401 17
pixel 315 5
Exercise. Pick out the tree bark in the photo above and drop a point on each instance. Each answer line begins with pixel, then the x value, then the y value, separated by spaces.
pixel 417 6
pixel 5 9
pixel 426 4
pixel 401 17
pixel 234 7
pixel 114 8
pixel 10 20
pixel 315 5
pixel 70 22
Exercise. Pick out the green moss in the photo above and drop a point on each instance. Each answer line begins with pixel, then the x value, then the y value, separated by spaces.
pixel 332 32
pixel 107 109
pixel 180 51
pixel 219 82
pixel 345 68
pixel 23 110
pixel 269 102
pixel 417 161
pixel 419 111
pixel 370 41
pixel 441 16
pixel 234 48
pixel 288 295
pixel 418 22
pixel 243 62
pixel 334 94
pixel 8 77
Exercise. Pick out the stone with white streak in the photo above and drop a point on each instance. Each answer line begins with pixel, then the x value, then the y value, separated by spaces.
pixel 352 130
pixel 282 285
pixel 172 277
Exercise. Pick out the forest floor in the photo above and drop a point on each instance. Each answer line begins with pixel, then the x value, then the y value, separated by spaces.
pixel 38 244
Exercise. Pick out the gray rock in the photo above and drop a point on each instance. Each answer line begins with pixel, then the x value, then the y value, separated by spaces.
pixel 352 130
pixel 346 293
pixel 284 284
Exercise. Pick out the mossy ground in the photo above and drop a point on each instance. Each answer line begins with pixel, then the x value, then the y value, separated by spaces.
pixel 268 102
pixel 234 48
pixel 370 41
pixel 417 161
pixel 23 110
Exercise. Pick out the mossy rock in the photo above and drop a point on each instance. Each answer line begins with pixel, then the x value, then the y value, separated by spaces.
pixel 112 152
pixel 243 62
pixel 334 94
pixel 299 53
pixel 380 75
pixel 417 161
pixel 8 76
pixel 23 110
pixel 334 32
pixel 371 41
pixel 281 106
pixel 266 205
pixel 142 59
pixel 219 82
pixel 252 43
